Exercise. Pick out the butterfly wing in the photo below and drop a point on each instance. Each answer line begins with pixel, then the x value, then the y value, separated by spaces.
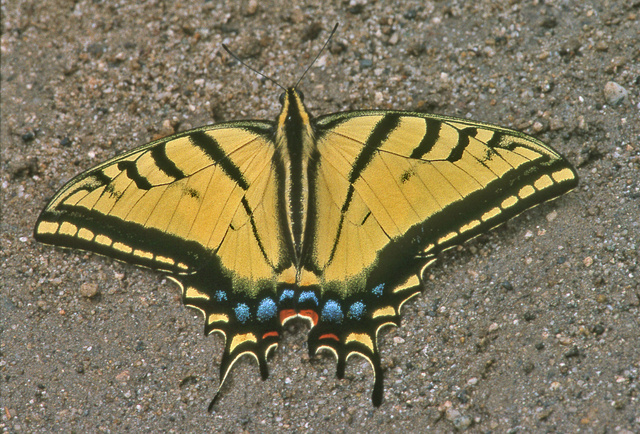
pixel 202 205
pixel 392 189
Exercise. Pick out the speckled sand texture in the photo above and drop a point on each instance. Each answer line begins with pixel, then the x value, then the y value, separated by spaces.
pixel 534 327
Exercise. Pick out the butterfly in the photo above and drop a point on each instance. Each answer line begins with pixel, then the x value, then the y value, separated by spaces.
pixel 330 219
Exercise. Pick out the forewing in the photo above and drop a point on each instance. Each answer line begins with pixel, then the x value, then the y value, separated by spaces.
pixel 422 181
pixel 176 203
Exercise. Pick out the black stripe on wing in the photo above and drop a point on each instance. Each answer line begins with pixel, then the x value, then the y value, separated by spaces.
pixel 133 235
pixel 212 148
pixel 376 139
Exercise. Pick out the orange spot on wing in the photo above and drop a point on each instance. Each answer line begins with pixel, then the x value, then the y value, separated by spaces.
pixel 285 314
pixel 269 334
pixel 311 314
pixel 329 336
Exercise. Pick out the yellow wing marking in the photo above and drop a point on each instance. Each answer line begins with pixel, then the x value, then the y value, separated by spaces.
pixel 195 293
pixel 562 175
pixel 104 240
pixel 493 212
pixel 86 234
pixel 543 182
pixel 48 227
pixel 143 254
pixel 68 229
pixel 471 225
pixel 122 247
pixel 411 282
pixel 383 311
pixel 363 338
pixel 447 237
pixel 240 339
pixel 509 202
pixel 526 191
pixel 217 317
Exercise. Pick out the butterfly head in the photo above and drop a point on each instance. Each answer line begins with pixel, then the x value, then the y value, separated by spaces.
pixel 286 95
pixel 294 115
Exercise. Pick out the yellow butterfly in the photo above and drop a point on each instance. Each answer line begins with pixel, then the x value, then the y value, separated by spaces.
pixel 331 219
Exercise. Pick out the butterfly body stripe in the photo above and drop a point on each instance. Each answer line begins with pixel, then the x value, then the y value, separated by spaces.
pixel 295 142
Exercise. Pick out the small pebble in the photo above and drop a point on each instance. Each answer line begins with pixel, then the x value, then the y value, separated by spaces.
pixel 452 414
pixel 462 422
pixel 89 290
pixel 528 367
pixel 538 127
pixel 123 376
pixel 252 7
pixel 28 137
pixel 573 352
pixel 632 299
pixel 564 340
pixel 168 128
pixel 544 414
pixel 614 94
pixel 507 286
pixel 366 63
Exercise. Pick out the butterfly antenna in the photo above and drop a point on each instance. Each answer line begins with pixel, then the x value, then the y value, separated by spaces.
pixel 232 54
pixel 317 55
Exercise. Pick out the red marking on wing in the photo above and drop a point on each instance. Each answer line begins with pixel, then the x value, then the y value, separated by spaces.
pixel 286 314
pixel 311 314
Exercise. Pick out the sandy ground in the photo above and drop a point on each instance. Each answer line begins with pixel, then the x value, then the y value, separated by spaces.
pixel 533 327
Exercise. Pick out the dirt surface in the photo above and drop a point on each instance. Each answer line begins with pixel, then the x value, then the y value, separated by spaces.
pixel 533 327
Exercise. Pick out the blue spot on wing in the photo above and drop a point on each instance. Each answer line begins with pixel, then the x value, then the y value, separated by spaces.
pixel 242 312
pixel 267 309
pixel 220 295
pixel 308 295
pixel 287 294
pixel 332 312
pixel 378 290
pixel 356 310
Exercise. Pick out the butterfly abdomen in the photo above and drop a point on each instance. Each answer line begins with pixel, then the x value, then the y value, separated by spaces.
pixel 295 143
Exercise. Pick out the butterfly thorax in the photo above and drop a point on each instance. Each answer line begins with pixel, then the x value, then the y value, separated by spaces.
pixel 295 150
